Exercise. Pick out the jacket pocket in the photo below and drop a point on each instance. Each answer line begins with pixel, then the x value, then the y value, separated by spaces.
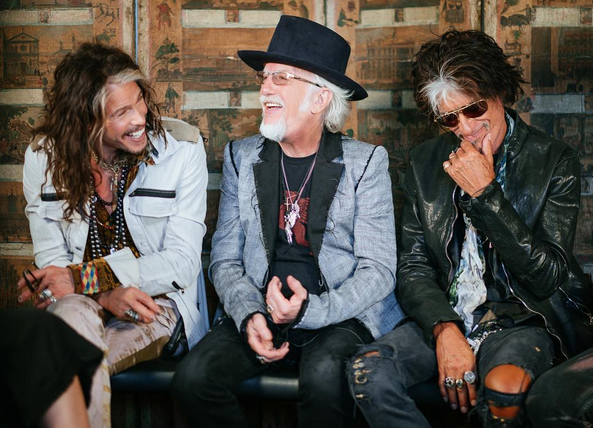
pixel 52 209
pixel 153 193
pixel 152 206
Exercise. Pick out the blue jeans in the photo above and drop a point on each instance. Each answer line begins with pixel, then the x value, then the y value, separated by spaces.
pixel 205 379
pixel 563 397
pixel 379 383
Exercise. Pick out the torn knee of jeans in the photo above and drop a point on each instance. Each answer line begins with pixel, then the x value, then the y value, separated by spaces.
pixel 492 405
pixel 363 363
pixel 501 399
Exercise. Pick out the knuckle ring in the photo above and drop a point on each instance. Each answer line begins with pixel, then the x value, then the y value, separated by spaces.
pixel 452 154
pixel 261 358
pixel 449 382
pixel 45 294
pixel 270 309
pixel 460 384
pixel 132 314
pixel 469 377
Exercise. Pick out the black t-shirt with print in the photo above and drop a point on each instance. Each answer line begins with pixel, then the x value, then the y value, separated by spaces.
pixel 295 259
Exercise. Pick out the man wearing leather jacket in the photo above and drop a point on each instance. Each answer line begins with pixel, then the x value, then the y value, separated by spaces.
pixel 485 269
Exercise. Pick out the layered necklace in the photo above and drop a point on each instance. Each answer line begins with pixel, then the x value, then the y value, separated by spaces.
pixel 114 167
pixel 98 247
pixel 293 211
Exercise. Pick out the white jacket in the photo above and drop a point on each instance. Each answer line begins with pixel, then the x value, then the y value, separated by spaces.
pixel 164 208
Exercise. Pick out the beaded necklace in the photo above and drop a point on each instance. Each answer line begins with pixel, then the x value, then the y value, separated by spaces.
pixel 98 247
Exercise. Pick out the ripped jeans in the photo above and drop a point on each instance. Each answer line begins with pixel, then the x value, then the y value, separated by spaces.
pixel 563 397
pixel 379 383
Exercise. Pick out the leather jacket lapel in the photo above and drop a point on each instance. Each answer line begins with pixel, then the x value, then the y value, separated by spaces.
pixel 267 187
pixel 324 183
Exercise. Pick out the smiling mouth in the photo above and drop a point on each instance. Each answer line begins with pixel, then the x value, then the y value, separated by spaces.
pixel 271 105
pixel 135 135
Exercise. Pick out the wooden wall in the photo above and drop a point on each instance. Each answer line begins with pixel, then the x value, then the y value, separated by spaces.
pixel 189 49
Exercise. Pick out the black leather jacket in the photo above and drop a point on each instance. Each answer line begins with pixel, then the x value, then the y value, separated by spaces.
pixel 531 228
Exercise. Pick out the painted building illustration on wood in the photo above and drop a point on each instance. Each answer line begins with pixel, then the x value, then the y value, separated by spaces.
pixel 20 57
pixel 189 49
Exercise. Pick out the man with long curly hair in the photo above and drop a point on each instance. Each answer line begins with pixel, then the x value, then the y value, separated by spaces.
pixel 485 271
pixel 116 200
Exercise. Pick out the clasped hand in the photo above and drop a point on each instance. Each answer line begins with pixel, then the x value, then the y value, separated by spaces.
pixel 282 311
pixel 471 170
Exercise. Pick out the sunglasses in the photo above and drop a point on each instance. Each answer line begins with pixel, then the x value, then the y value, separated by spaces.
pixel 280 78
pixel 471 111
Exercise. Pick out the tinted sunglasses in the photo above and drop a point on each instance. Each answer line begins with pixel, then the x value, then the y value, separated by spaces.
pixel 471 111
pixel 280 78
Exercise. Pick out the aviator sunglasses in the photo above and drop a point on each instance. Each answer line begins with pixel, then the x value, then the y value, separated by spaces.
pixel 280 78
pixel 471 111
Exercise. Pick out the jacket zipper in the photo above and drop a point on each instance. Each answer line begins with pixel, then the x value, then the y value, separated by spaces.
pixel 581 308
pixel 534 311
pixel 450 276
pixel 155 193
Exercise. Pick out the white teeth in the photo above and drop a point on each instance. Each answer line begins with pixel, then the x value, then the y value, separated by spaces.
pixel 137 134
pixel 273 105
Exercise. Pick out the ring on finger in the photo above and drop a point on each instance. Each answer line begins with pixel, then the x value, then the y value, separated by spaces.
pixel 460 384
pixel 132 314
pixel 449 382
pixel 261 358
pixel 270 309
pixel 469 377
pixel 45 294
pixel 452 154
pixel 446 165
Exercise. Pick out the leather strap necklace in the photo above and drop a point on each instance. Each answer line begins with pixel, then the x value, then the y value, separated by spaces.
pixel 293 211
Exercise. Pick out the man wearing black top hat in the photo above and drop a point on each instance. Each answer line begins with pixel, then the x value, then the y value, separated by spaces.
pixel 303 258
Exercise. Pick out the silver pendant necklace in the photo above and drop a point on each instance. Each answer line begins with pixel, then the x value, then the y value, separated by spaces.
pixel 293 211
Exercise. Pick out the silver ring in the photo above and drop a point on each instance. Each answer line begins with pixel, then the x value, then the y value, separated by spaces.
pixel 449 382
pixel 52 299
pixel 270 309
pixel 132 314
pixel 45 294
pixel 261 358
pixel 446 165
pixel 469 377
pixel 452 154
pixel 460 384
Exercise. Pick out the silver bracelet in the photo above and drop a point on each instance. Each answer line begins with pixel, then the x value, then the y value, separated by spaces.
pixel 477 342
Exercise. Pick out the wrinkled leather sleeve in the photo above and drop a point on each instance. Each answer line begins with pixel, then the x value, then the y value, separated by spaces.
pixel 418 290
pixel 536 255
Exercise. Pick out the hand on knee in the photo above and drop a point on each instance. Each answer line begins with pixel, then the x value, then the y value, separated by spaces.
pixel 505 390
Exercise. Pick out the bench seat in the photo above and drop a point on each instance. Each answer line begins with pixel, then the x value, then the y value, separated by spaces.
pixel 156 376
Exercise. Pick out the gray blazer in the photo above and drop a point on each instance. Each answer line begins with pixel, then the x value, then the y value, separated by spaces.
pixel 350 230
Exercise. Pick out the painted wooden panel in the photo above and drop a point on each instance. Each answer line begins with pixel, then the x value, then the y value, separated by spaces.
pixel 189 48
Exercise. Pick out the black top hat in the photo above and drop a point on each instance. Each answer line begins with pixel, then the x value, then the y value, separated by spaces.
pixel 305 44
